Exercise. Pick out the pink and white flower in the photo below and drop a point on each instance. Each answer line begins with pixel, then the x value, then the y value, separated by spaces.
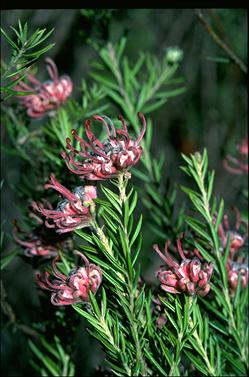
pixel 74 287
pixel 98 160
pixel 47 96
pixel 190 276
pixel 238 165
pixel 237 240
pixel 73 212
pixel 33 244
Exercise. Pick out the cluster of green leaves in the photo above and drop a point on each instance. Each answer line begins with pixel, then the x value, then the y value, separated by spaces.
pixel 144 86
pixel 124 321
pixel 186 340
pixel 58 363
pixel 227 312
pixel 121 316
pixel 25 52
pixel 119 323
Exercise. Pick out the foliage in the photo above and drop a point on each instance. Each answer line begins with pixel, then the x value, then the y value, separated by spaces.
pixel 142 329
pixel 25 52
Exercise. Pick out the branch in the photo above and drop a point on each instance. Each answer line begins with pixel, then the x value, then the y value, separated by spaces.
pixel 219 42
pixel 9 312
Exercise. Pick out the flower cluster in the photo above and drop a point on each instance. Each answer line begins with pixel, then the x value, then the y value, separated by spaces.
pixel 191 276
pixel 33 244
pixel 74 287
pixel 48 96
pixel 236 239
pixel 238 165
pixel 236 264
pixel 158 311
pixel 107 159
pixel 73 212
pixel 234 270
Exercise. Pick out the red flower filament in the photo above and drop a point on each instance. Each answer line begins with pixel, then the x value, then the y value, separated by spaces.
pixel 107 159
pixel 48 96
pixel 74 287
pixel 71 213
pixel 191 276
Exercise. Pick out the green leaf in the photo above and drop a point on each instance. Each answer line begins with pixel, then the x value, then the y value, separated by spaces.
pixel 153 106
pixel 137 230
pixel 11 42
pixel 133 203
pixel 7 259
pixel 51 366
pixel 198 364
pixel 210 185
pixel 139 174
pixel 155 363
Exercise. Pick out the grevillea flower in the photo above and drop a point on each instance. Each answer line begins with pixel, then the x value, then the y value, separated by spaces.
pixel 106 159
pixel 234 269
pixel 73 212
pixel 48 96
pixel 74 287
pixel 158 311
pixel 191 276
pixel 34 245
pixel 237 240
pixel 238 165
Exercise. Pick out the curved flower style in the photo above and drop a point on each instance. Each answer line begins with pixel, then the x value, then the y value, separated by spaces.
pixel 238 165
pixel 236 239
pixel 190 276
pixel 48 96
pixel 33 244
pixel 71 213
pixel 107 159
pixel 75 287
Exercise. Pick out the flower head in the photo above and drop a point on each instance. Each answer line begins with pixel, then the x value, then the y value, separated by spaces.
pixel 74 287
pixel 73 212
pixel 237 240
pixel 48 96
pixel 238 165
pixel 191 276
pixel 234 269
pixel 106 159
pixel 34 244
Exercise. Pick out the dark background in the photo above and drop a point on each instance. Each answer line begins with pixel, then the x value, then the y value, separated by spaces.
pixel 211 113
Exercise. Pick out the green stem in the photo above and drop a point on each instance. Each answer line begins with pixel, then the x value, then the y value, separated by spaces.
pixel 102 237
pixel 202 349
pixel 201 184
pixel 112 342
pixel 131 109
pixel 122 184
pixel 14 62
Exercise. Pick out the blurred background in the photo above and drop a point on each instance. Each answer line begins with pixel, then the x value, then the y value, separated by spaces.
pixel 212 113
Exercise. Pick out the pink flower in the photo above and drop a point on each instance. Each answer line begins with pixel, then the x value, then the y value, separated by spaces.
pixel 191 276
pixel 71 213
pixel 157 310
pixel 74 287
pixel 33 244
pixel 236 239
pixel 48 96
pixel 234 269
pixel 238 165
pixel 107 159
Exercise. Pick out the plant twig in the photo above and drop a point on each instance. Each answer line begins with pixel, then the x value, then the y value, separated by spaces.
pixel 219 42
pixel 9 312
